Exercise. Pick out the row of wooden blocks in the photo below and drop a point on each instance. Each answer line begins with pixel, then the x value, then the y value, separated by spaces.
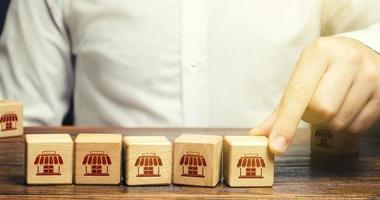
pixel 149 160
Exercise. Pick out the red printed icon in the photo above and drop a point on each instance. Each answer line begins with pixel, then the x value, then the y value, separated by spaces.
pixel 48 163
pixel 8 121
pixel 96 163
pixel 193 164
pixel 251 166
pixel 150 164
pixel 324 137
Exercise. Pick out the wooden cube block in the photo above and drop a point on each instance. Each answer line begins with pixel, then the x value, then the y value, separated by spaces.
pixel 327 142
pixel 49 159
pixel 148 160
pixel 11 118
pixel 197 160
pixel 247 161
pixel 98 158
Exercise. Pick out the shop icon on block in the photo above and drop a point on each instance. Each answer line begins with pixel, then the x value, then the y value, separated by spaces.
pixel 147 160
pixel 197 160
pixel 251 166
pixel 193 164
pixel 97 158
pixel 327 142
pixel 247 161
pixel 324 137
pixel 11 119
pixel 96 163
pixel 48 163
pixel 150 164
pixel 48 158
pixel 8 121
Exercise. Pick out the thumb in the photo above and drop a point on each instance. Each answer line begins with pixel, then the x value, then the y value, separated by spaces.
pixel 265 127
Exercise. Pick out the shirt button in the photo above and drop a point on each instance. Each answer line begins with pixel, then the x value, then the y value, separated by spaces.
pixel 193 67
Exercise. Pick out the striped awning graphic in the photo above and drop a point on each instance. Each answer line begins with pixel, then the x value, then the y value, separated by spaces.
pixel 97 158
pixel 8 117
pixel 48 157
pixel 324 133
pixel 193 159
pixel 148 160
pixel 251 160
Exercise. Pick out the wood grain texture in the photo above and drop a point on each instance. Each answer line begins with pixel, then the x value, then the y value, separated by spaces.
pixel 98 158
pixel 148 160
pixel 296 173
pixel 247 161
pixel 49 159
pixel 197 160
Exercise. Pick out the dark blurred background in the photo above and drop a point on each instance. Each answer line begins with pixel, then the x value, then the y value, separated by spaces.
pixel 3 12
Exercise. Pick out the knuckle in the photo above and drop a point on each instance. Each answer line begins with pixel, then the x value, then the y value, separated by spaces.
pixel 308 117
pixel 337 125
pixel 354 129
pixel 321 42
pixel 353 55
pixel 317 44
pixel 371 74
pixel 372 78
pixel 323 111
pixel 335 45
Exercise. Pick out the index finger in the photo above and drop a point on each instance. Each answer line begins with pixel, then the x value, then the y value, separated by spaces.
pixel 308 72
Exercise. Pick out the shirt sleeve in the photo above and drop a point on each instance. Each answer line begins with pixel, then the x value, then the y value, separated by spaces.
pixel 355 19
pixel 35 61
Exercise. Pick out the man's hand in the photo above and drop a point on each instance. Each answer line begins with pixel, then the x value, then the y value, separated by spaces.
pixel 336 82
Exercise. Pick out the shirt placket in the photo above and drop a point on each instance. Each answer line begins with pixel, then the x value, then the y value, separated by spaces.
pixel 194 64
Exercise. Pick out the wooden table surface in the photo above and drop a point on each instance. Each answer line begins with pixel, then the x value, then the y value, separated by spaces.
pixel 297 174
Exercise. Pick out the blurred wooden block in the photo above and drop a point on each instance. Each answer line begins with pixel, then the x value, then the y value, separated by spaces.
pixel 11 118
pixel 325 141
pixel 49 159
pixel 197 160
pixel 148 160
pixel 98 159
pixel 247 161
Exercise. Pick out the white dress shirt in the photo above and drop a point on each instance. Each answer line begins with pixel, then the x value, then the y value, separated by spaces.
pixel 165 63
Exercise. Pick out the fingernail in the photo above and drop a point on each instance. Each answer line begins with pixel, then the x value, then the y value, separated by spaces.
pixel 279 144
